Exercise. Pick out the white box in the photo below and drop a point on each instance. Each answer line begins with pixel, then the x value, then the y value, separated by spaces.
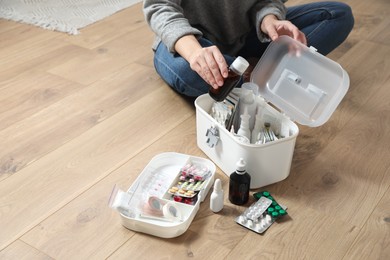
pixel 307 88
pixel 161 173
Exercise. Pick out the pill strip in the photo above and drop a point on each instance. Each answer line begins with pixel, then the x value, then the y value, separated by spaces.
pixel 254 218
pixel 257 209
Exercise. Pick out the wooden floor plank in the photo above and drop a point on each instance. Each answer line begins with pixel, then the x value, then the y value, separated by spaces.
pixel 8 27
pixel 106 58
pixel 57 123
pixel 29 92
pixel 17 35
pixel 17 53
pixel 21 251
pixel 110 28
pixel 374 239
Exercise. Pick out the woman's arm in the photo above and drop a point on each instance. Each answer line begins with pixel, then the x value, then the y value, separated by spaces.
pixel 167 20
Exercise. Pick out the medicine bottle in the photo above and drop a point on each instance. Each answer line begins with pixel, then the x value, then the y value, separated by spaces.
pixel 216 198
pixel 239 184
pixel 234 78
pixel 244 126
pixel 247 103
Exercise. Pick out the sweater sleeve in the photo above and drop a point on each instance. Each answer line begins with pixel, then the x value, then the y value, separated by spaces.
pixel 167 21
pixel 263 8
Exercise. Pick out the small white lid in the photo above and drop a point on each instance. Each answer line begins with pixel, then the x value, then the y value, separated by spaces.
pixel 241 166
pixel 302 83
pixel 246 95
pixel 240 65
pixel 217 186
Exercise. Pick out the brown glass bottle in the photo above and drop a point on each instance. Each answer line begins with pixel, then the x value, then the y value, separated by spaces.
pixel 239 184
pixel 236 69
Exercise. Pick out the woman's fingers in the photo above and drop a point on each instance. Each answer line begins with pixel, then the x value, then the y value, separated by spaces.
pixel 275 28
pixel 287 28
pixel 210 64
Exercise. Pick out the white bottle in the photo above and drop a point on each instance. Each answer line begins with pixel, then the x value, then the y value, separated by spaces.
pixel 248 104
pixel 216 198
pixel 259 121
pixel 244 126
pixel 259 124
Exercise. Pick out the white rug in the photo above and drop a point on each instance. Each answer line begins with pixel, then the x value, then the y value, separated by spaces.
pixel 61 15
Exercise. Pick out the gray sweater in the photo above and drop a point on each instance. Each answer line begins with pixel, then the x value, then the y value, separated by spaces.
pixel 224 22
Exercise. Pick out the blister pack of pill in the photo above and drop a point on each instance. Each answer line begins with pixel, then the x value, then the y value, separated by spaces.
pixel 254 218
pixel 262 213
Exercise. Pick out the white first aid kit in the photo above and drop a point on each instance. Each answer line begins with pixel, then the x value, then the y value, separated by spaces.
pixel 166 196
pixel 295 84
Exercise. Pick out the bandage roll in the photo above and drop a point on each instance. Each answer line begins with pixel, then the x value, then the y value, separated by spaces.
pixel 171 211
pixel 153 207
pixel 155 203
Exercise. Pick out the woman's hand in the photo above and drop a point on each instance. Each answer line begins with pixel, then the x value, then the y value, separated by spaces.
pixel 208 62
pixel 275 28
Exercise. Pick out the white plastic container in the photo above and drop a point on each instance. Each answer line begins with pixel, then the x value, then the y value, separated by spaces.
pixel 306 86
pixel 155 181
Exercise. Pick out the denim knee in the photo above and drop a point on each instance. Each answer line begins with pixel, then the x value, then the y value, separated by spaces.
pixel 336 24
pixel 345 12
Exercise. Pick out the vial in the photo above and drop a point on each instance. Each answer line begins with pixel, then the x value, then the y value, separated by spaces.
pixel 247 104
pixel 244 129
pixel 234 78
pixel 216 198
pixel 239 184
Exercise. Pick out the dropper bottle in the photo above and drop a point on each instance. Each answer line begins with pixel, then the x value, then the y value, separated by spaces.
pixel 216 198
pixel 239 184
pixel 244 125
pixel 236 69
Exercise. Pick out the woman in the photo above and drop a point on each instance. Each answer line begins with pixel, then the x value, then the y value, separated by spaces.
pixel 196 40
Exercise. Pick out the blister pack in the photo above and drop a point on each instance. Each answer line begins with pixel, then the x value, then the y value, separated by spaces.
pixel 261 214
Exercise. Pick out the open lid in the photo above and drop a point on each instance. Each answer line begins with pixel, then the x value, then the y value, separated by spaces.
pixel 302 83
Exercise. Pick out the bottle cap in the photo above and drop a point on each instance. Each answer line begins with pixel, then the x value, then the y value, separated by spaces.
pixel 252 87
pixel 240 64
pixel 217 185
pixel 247 95
pixel 240 166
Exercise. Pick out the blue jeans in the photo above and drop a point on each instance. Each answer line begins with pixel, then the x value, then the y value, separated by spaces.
pixel 325 24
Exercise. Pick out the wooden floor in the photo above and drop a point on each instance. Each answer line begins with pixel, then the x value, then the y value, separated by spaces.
pixel 82 113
